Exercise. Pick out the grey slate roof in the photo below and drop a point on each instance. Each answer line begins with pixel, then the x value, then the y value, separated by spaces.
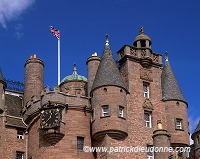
pixel 108 73
pixel 197 128
pixel 170 87
pixel 14 108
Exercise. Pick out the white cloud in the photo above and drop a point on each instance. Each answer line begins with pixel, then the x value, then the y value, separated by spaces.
pixel 12 9
pixel 193 124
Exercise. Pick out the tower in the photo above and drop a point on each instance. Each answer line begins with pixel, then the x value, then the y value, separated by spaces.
pixel 108 99
pixel 34 78
pixel 196 139
pixel 92 66
pixel 176 108
pixel 161 139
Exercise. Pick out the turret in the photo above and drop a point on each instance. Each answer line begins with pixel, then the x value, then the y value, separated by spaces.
pixel 108 98
pixel 74 84
pixel 176 107
pixel 196 139
pixel 92 66
pixel 34 78
pixel 161 138
pixel 2 92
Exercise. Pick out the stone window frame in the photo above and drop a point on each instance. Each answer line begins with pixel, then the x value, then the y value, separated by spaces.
pixel 20 155
pixel 150 119
pixel 80 143
pixel 20 134
pixel 104 112
pixel 120 107
pixel 146 94
pixel 150 155
pixel 179 126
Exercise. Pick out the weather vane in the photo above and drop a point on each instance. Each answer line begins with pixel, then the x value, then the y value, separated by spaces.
pixel 141 30
pixel 166 56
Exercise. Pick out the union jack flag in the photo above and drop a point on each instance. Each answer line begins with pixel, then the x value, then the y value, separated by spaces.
pixel 55 32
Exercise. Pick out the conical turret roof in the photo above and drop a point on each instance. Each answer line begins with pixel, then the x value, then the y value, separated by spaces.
pixel 108 73
pixel 170 87
pixel 197 128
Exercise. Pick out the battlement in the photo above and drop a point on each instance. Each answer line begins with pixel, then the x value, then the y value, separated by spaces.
pixel 31 109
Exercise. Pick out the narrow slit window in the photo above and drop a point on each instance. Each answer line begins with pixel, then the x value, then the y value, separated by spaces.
pixel 121 111
pixel 80 143
pixel 146 90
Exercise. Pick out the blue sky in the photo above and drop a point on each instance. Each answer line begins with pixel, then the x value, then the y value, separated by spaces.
pixel 172 25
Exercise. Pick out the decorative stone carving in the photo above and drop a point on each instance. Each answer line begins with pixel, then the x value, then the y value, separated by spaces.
pixel 147 104
pixel 146 74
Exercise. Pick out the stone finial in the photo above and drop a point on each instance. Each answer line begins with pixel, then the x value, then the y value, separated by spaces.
pixel 159 124
pixel 95 54
pixel 166 56
pixel 107 41
pixel 141 30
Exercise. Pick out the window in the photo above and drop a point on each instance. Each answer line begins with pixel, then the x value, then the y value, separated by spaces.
pixel 143 43
pixel 105 111
pixel 80 143
pixel 19 155
pixel 179 124
pixel 146 90
pixel 121 111
pixel 147 119
pixel 150 153
pixel 20 134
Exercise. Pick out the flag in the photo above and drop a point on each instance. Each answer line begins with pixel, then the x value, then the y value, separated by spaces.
pixel 55 32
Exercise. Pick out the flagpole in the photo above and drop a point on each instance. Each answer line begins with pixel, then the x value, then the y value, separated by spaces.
pixel 58 60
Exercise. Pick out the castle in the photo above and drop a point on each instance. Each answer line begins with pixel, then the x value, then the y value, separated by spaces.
pixel 136 102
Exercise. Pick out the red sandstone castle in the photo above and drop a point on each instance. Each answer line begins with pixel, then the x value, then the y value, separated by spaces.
pixel 135 103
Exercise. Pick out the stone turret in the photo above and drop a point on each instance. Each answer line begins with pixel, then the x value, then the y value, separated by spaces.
pixel 196 139
pixel 2 92
pixel 34 78
pixel 176 107
pixel 108 97
pixel 74 84
pixel 92 66
pixel 161 138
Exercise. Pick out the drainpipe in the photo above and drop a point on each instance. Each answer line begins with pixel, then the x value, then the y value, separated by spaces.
pixel 26 135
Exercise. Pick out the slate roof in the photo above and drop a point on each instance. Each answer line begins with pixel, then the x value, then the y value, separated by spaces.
pixel 108 73
pixel 197 128
pixel 13 105
pixel 170 86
